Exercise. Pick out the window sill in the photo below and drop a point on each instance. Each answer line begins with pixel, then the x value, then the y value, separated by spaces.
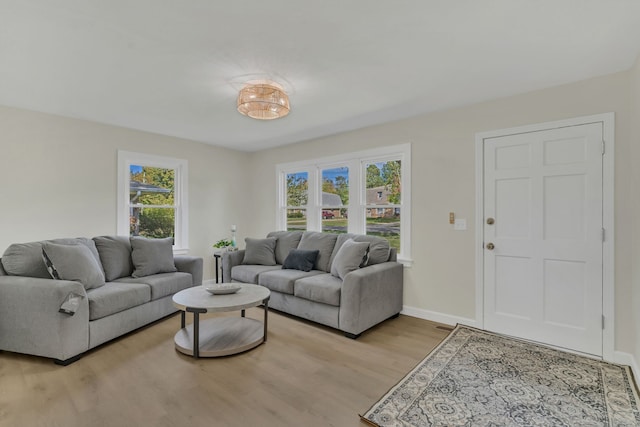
pixel 181 251
pixel 407 262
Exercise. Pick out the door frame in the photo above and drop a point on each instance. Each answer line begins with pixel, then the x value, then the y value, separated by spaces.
pixel 608 273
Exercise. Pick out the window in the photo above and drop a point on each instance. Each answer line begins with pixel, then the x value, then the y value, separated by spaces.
pixel 366 192
pixel 152 197
pixel 335 199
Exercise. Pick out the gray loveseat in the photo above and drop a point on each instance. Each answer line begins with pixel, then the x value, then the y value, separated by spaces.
pixel 120 284
pixel 343 289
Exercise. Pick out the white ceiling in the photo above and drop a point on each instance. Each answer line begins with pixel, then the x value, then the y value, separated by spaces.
pixel 173 67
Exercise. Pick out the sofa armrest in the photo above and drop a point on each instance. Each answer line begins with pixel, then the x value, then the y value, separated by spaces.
pixel 370 295
pixel 30 322
pixel 230 260
pixel 192 265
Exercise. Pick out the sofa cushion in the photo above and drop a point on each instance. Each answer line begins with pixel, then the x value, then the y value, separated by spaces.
pixel 299 259
pixel 260 251
pixel 349 258
pixel 25 259
pixel 115 297
pixel 287 240
pixel 162 284
pixel 115 255
pixel 283 280
pixel 151 256
pixel 73 262
pixel 379 248
pixel 324 243
pixel 323 288
pixel 250 273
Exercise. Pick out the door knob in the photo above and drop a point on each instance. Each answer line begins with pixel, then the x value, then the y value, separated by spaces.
pixel 490 246
pixel 490 221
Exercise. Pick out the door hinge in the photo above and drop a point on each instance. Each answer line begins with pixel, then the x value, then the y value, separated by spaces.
pixel 603 321
pixel 603 147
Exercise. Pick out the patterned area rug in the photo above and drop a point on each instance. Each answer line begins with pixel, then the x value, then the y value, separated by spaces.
pixel 476 378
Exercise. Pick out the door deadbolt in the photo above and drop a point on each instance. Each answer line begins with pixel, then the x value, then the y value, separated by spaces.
pixel 490 221
pixel 490 246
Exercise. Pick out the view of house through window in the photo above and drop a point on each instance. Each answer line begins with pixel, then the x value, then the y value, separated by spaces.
pixel 151 201
pixel 383 200
pixel 335 199
pixel 364 193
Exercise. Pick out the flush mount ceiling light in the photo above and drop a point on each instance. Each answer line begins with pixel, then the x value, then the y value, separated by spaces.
pixel 263 100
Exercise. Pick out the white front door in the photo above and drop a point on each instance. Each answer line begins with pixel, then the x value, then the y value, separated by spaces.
pixel 543 234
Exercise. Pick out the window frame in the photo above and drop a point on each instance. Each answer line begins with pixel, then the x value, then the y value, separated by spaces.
pixel 180 167
pixel 355 162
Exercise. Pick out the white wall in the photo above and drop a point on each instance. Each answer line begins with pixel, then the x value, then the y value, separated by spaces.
pixel 58 179
pixel 634 196
pixel 442 277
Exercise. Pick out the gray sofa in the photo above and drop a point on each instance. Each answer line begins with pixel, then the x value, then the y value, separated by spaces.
pixel 120 285
pixel 343 289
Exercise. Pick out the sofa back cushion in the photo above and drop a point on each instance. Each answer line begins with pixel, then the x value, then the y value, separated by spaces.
pixel 25 259
pixel 379 249
pixel 287 240
pixel 115 254
pixel 324 243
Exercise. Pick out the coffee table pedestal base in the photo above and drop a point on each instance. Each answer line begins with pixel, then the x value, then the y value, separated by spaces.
pixel 222 336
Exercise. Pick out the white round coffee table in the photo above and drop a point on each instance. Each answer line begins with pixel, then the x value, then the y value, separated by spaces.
pixel 220 336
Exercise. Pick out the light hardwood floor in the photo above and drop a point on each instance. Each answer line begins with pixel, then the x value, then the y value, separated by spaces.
pixel 305 375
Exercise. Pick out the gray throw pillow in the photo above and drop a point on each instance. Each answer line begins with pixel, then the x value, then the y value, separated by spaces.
pixel 299 259
pixel 115 254
pixel 73 262
pixel 260 251
pixel 349 258
pixel 152 256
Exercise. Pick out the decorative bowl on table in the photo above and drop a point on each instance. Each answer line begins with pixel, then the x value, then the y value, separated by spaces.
pixel 222 288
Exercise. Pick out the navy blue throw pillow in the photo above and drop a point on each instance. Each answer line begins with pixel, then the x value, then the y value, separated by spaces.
pixel 299 259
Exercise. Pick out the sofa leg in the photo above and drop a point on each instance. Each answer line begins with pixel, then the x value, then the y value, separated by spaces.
pixel 395 316
pixel 350 335
pixel 68 361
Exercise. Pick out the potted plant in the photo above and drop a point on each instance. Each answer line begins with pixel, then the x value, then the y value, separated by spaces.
pixel 225 245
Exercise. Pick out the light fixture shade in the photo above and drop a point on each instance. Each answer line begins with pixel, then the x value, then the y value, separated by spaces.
pixel 263 100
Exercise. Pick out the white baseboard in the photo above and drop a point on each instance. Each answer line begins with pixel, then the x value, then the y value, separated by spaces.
pixel 627 359
pixel 434 316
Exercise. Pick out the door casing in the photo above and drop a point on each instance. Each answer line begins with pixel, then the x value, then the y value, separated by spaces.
pixel 608 287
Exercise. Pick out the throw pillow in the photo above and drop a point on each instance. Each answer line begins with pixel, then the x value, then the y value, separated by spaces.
pixel 151 256
pixel 299 259
pixel 115 254
pixel 73 262
pixel 349 258
pixel 260 251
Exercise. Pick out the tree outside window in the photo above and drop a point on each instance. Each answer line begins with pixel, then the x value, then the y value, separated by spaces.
pixel 297 200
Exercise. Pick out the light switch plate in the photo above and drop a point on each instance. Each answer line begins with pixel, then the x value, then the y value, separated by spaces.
pixel 460 224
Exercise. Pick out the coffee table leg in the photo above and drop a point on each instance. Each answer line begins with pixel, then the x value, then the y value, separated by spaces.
pixel 182 319
pixel 266 312
pixel 196 335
